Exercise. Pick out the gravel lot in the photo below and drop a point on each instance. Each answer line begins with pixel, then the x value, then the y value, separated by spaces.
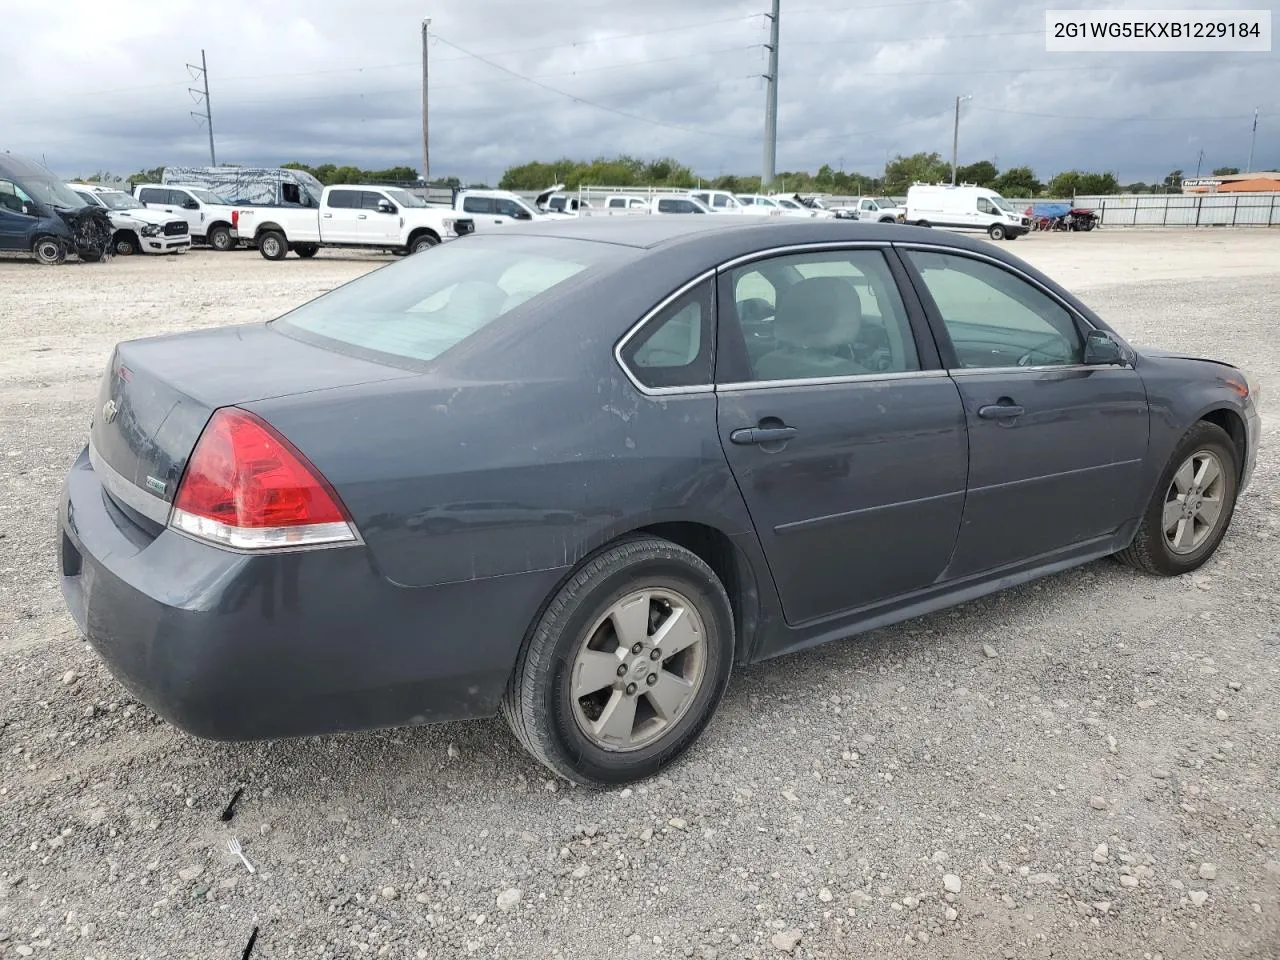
pixel 1084 767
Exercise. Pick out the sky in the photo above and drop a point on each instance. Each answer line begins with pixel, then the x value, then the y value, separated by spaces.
pixel 91 87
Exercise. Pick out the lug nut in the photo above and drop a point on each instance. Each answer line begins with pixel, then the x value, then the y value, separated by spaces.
pixel 651 679
pixel 622 669
pixel 631 688
pixel 655 654
pixel 637 647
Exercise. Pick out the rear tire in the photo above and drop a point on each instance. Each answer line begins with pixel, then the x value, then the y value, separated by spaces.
pixel 272 245
pixel 1178 510
pixel 219 237
pixel 50 251
pixel 996 232
pixel 923 223
pixel 306 250
pixel 566 702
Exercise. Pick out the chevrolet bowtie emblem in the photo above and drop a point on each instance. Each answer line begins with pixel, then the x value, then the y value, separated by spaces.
pixel 109 411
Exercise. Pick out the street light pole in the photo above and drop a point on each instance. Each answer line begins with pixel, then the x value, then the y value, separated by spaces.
pixel 955 138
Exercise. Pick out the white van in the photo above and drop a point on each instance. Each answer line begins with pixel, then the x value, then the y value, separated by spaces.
pixel 964 207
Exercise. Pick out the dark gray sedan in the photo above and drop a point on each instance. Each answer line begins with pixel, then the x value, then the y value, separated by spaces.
pixel 574 472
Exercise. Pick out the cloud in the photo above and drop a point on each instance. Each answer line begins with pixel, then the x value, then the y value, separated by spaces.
pixel 335 81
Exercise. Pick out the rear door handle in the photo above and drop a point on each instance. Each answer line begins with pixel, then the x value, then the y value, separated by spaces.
pixel 1000 411
pixel 361 216
pixel 328 216
pixel 750 435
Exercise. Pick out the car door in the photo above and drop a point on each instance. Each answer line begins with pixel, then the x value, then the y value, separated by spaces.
pixel 340 217
pixel 481 210
pixel 185 205
pixel 378 225
pixel 845 437
pixel 867 210
pixel 1055 445
pixel 16 219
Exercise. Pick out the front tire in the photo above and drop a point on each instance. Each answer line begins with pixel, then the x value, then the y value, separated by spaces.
pixel 272 245
pixel 996 232
pixel 126 243
pixel 423 242
pixel 1192 507
pixel 50 251
pixel 626 665
pixel 219 237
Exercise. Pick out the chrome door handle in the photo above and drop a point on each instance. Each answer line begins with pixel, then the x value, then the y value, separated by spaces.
pixel 328 216
pixel 1000 411
pixel 749 435
pixel 361 216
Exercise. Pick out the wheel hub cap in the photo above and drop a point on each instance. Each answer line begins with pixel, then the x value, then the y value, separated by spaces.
pixel 638 669
pixel 1193 504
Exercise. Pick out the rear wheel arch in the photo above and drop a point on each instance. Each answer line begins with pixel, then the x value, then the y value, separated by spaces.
pixel 264 227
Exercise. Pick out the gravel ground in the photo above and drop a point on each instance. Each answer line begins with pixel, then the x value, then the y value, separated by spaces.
pixel 1083 767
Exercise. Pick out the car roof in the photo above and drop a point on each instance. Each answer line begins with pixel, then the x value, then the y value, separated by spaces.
pixel 12 165
pixel 723 231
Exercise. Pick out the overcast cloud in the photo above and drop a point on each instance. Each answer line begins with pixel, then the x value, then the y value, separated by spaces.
pixel 92 86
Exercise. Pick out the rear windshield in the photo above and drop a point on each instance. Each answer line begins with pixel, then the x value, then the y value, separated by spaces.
pixel 429 302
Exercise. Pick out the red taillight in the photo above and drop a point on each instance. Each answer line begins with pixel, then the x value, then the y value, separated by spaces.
pixel 235 219
pixel 248 487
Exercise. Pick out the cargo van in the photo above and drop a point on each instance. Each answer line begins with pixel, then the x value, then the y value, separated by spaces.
pixel 965 207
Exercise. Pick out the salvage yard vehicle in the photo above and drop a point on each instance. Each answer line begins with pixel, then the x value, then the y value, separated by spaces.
pixel 501 208
pixel 353 216
pixel 251 186
pixel 41 218
pixel 210 218
pixel 879 209
pixel 964 207
pixel 703 442
pixel 137 228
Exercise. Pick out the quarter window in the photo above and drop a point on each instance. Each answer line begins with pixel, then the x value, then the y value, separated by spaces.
pixel 834 313
pixel 674 348
pixel 994 318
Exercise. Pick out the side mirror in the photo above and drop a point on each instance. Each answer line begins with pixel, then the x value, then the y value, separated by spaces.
pixel 30 210
pixel 1101 349
pixel 384 206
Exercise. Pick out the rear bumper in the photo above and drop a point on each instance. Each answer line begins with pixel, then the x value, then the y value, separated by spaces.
pixel 229 646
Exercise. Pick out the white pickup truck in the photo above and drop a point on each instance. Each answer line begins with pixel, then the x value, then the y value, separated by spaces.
pixel 495 208
pixel 352 215
pixel 138 230
pixel 210 219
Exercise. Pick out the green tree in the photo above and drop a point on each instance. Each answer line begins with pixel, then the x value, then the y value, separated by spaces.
pixel 1173 182
pixel 1064 185
pixel 1225 171
pixel 1097 184
pixel 1018 182
pixel 148 176
pixel 901 172
pixel 983 173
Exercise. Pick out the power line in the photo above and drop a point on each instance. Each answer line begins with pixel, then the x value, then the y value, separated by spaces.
pixel 1061 116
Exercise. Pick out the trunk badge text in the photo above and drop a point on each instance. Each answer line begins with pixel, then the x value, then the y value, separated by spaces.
pixel 156 486
pixel 109 411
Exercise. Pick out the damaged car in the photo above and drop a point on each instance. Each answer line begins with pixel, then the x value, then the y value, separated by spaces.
pixel 41 218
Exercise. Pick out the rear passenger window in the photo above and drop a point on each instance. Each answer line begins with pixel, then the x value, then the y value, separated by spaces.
pixel 477 205
pixel 152 195
pixel 674 348
pixel 344 199
pixel 834 313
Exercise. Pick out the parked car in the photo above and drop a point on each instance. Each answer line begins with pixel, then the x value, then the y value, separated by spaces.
pixel 713 444
pixel 666 204
pixel 771 206
pixel 626 202
pixel 488 209
pixel 722 201
pixel 354 216
pixel 137 229
pixel 41 218
pixel 965 207
pixel 792 204
pixel 879 209
pixel 211 219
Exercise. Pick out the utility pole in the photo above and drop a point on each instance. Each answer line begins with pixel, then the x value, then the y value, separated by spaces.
pixel 771 102
pixel 1253 138
pixel 426 148
pixel 202 72
pixel 1199 160
pixel 955 138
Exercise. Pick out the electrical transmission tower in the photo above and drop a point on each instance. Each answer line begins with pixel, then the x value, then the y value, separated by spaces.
pixel 202 73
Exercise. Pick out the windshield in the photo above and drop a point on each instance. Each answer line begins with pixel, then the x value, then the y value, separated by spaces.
pixel 53 193
pixel 884 202
pixel 1001 202
pixel 790 204
pixel 117 200
pixel 422 306
pixel 403 197
pixel 206 196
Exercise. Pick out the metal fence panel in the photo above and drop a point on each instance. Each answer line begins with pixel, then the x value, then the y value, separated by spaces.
pixel 1186 210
